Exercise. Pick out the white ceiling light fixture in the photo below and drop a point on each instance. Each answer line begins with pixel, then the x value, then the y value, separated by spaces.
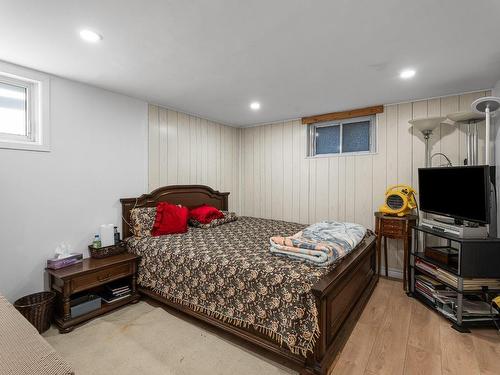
pixel 407 73
pixel 255 106
pixel 90 36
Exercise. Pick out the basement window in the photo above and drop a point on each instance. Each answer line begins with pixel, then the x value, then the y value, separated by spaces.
pixel 350 136
pixel 24 96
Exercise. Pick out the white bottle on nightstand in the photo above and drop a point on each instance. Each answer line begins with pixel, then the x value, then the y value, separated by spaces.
pixel 107 234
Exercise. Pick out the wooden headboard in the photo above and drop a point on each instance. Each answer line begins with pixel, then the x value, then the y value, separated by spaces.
pixel 186 195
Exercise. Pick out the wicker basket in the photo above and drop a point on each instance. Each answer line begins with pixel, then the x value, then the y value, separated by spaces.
pixel 107 251
pixel 37 308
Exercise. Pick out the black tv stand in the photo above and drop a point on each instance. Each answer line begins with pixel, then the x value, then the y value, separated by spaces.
pixel 474 276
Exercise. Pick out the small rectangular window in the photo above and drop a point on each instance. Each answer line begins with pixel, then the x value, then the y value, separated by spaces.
pixel 24 109
pixel 356 135
pixel 13 111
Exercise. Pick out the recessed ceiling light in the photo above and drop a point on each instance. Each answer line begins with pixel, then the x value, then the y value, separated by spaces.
pixel 90 36
pixel 407 73
pixel 255 105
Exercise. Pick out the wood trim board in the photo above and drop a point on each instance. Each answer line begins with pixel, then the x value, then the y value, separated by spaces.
pixel 368 111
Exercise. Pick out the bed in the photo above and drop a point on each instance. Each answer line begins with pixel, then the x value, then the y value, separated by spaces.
pixel 226 276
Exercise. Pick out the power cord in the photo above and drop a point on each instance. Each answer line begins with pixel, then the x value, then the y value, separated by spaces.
pixel 494 316
pixel 416 205
pixel 125 220
pixel 444 156
pixel 495 300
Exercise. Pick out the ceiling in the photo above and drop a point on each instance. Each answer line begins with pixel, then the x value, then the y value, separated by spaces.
pixel 296 57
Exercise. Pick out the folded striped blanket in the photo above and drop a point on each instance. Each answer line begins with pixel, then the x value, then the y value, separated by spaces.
pixel 321 244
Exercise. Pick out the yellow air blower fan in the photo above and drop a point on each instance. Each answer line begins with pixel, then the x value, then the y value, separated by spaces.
pixel 399 200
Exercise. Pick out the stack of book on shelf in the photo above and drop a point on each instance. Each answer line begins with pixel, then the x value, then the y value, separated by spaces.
pixel 437 272
pixel 114 292
pixel 475 284
pixel 427 287
pixel 451 279
pixel 427 267
pixel 473 308
pixel 446 303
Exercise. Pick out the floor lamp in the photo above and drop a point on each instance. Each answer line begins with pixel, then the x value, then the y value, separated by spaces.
pixel 487 105
pixel 470 119
pixel 426 127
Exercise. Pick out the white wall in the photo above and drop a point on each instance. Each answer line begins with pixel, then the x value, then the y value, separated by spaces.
pixel 185 149
pixel 99 154
pixel 279 182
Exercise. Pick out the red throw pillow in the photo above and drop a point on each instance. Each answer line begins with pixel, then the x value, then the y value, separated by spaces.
pixel 170 219
pixel 205 214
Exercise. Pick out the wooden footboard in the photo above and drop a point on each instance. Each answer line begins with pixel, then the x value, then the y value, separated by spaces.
pixel 341 297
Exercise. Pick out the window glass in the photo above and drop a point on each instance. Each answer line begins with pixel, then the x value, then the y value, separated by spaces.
pixel 356 136
pixel 328 139
pixel 13 119
pixel 342 137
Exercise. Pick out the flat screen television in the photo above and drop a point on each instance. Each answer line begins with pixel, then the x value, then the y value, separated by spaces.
pixel 462 193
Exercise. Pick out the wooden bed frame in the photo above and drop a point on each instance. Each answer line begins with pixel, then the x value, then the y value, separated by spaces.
pixel 340 295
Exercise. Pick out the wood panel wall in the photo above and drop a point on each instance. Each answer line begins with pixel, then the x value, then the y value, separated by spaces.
pixel 280 182
pixel 185 149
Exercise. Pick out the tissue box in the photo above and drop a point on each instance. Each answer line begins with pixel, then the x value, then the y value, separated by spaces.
pixel 55 264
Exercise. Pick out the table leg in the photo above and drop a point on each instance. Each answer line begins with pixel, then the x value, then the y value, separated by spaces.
pixel 406 257
pixel 379 239
pixel 66 300
pixel 385 257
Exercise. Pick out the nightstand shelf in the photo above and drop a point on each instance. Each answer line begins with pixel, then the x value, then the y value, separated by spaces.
pixel 68 325
pixel 91 275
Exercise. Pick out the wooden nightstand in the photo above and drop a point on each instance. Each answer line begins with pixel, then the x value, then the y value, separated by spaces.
pixel 394 227
pixel 91 275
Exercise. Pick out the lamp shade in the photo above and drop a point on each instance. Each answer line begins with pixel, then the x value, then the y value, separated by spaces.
pixel 427 124
pixel 465 116
pixel 490 102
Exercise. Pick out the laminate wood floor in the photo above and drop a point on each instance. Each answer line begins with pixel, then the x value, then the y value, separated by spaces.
pixel 399 335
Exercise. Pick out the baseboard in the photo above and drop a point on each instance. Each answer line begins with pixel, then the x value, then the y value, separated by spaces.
pixel 392 272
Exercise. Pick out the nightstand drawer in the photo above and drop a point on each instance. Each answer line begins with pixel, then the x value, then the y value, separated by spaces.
pixel 101 277
pixel 393 227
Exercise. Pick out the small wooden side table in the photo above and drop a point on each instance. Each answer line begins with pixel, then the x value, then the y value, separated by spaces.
pixel 91 275
pixel 394 227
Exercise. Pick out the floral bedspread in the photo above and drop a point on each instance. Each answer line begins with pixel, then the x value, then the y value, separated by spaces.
pixel 228 272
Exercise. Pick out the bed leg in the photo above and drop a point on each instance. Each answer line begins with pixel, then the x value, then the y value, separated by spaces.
pixel 306 371
pixel 313 371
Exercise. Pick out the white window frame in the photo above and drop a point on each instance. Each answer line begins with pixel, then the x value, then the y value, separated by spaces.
pixel 37 87
pixel 311 149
